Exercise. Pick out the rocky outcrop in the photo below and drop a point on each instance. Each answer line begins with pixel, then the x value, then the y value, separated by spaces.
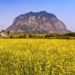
pixel 38 22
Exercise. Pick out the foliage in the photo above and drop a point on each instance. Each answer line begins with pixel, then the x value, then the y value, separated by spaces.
pixel 46 36
pixel 37 57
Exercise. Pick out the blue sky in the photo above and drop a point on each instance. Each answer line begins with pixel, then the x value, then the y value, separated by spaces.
pixel 63 9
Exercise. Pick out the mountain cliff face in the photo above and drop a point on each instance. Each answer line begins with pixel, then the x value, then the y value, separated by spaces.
pixel 38 22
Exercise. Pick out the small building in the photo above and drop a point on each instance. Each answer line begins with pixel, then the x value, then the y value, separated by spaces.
pixel 3 34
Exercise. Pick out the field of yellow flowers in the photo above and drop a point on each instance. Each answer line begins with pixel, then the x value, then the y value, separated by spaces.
pixel 37 57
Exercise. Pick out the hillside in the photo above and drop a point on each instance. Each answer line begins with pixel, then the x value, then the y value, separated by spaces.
pixel 38 23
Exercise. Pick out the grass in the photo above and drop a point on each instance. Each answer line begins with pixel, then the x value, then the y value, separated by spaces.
pixel 37 57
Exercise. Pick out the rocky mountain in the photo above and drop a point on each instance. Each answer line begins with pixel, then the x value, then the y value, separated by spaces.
pixel 38 23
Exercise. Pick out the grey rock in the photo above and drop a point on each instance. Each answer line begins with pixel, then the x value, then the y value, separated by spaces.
pixel 38 22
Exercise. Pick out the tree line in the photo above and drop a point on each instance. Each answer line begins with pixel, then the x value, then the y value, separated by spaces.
pixel 48 36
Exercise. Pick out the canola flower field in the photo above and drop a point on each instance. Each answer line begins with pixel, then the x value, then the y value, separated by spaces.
pixel 37 57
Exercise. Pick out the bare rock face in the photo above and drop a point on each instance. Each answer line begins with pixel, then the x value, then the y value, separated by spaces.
pixel 38 22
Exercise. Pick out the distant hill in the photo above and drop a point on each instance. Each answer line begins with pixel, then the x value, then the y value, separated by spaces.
pixel 38 23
